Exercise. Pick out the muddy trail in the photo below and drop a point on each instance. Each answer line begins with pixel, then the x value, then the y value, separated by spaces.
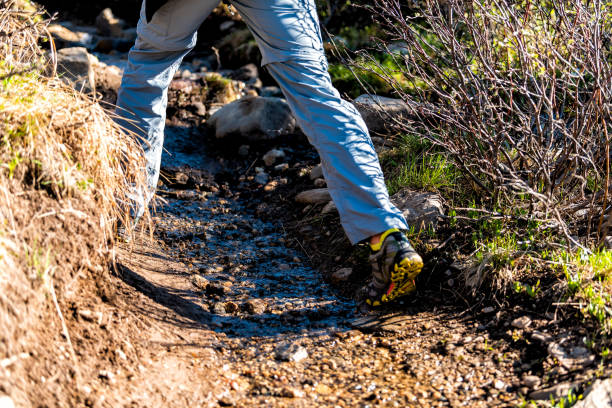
pixel 232 311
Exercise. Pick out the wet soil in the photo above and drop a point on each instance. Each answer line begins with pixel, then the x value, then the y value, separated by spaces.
pixel 230 301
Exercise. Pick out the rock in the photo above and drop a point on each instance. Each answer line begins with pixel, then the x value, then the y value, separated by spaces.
pixel 243 150
pixel 281 167
pixel 255 118
pixel 577 358
pixel 379 112
pixel 316 196
pixel 271 91
pixel 64 37
pixel 541 337
pixel 316 172
pixel 75 67
pixel 291 352
pixel 291 392
pixel 341 275
pixel 531 381
pixel 499 385
pixel 214 289
pixel 488 309
pixel 320 183
pixel 109 25
pixel 272 156
pixel 329 208
pixel 246 73
pixel 262 178
pixel 6 402
pixel 231 307
pixel 255 306
pixel 91 316
pixel 521 322
pixel 556 391
pixel 219 308
pixel 421 209
pixel 198 108
pixel 107 375
pixel 199 282
pixel 599 395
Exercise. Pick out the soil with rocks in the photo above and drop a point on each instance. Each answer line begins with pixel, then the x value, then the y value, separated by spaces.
pixel 240 296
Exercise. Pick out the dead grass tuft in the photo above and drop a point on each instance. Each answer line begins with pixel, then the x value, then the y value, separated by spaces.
pixel 65 169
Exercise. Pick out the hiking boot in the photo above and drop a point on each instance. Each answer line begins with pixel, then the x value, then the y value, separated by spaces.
pixel 395 265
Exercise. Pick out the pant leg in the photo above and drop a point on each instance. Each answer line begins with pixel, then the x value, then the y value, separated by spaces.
pixel 288 34
pixel 166 33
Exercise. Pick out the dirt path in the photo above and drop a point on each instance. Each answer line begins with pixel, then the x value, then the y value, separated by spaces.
pixel 231 315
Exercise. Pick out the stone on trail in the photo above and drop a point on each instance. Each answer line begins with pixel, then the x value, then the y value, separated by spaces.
pixel 64 37
pixel 421 209
pixel 75 67
pixel 599 395
pixel 255 118
pixel 341 275
pixel 556 391
pixel 379 112
pixel 316 196
pixel 291 352
pixel 329 208
pixel 109 25
pixel 316 172
pixel 521 322
pixel 272 156
pixel 255 306
pixel 262 178
pixel 531 381
pixel 576 358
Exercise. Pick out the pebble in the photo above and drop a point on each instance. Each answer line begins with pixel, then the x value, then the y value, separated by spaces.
pixel 316 196
pixel 243 150
pixel 291 352
pixel 281 167
pixel 531 381
pixel 91 316
pixel 231 307
pixel 499 385
pixel 488 309
pixel 219 308
pixel 341 275
pixel 255 306
pixel 107 375
pixel 521 322
pixel 541 337
pixel 262 178
pixel 199 282
pixel 316 172
pixel 272 156
pixel 290 392
pixel 6 402
pixel 320 183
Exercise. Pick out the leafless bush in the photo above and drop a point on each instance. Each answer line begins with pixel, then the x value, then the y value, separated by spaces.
pixel 519 93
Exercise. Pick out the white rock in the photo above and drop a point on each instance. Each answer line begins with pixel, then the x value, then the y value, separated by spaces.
pixel 577 358
pixel 421 209
pixel 291 352
pixel 6 402
pixel 499 385
pixel 281 167
pixel 253 117
pixel 597 396
pixel 521 322
pixel 272 156
pixel 316 196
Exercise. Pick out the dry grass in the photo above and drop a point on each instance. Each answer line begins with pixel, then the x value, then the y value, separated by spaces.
pixel 64 168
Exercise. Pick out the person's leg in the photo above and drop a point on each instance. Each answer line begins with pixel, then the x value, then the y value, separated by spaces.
pixel 288 34
pixel 166 33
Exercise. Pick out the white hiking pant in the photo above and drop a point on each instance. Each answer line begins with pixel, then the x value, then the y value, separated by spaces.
pixel 288 34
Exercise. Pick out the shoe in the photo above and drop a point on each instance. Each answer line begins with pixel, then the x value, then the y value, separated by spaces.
pixel 395 265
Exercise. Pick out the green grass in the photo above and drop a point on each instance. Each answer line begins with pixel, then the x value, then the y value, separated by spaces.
pixel 430 172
